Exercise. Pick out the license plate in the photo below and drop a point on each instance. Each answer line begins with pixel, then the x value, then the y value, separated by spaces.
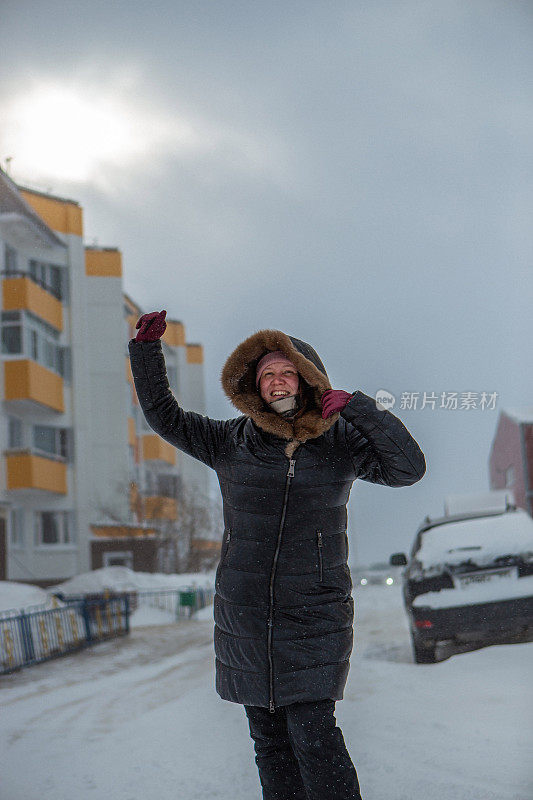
pixel 494 576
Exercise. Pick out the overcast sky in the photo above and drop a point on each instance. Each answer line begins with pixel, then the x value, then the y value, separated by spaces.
pixel 357 174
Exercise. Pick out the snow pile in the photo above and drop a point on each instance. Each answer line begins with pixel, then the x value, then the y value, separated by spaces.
pixel 123 579
pixel 22 596
pixel 480 540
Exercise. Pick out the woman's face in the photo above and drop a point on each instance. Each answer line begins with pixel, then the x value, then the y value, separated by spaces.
pixel 278 380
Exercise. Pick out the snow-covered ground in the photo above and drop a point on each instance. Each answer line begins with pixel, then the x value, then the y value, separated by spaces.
pixel 138 718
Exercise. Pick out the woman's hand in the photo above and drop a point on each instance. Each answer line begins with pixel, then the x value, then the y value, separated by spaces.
pixel 334 400
pixel 151 326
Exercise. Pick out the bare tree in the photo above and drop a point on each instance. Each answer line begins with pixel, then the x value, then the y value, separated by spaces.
pixel 188 543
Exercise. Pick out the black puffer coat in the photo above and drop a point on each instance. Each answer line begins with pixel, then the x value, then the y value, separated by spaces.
pixel 283 606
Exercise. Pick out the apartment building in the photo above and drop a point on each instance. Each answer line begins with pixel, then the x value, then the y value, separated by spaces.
pixel 511 455
pixel 84 482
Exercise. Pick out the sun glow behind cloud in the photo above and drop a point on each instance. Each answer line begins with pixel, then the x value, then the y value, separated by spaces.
pixel 85 130
pixel 75 133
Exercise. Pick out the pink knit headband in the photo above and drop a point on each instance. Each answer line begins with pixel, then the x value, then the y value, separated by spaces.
pixel 271 358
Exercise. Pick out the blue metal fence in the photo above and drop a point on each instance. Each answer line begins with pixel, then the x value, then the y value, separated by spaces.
pixel 33 636
pixel 39 634
pixel 182 603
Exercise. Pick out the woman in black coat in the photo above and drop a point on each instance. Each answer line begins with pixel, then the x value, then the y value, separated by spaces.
pixel 283 607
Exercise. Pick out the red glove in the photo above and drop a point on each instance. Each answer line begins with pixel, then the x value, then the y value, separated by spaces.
pixel 334 400
pixel 152 326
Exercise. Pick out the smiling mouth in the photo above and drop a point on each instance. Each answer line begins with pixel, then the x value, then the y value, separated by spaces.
pixel 279 393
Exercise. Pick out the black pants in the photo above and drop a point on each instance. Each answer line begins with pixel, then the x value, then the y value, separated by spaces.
pixel 301 754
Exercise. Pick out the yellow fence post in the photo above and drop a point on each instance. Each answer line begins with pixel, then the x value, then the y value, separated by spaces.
pixel 60 636
pixel 44 636
pixel 109 616
pixel 8 644
pixel 74 627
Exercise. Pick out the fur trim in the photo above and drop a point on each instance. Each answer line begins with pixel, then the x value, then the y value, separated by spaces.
pixel 238 383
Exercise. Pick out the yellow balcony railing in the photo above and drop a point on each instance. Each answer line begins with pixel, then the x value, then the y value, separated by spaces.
pixel 24 379
pixel 62 215
pixel 129 376
pixel 159 507
pixel 120 531
pixel 23 293
pixel 132 435
pixel 205 545
pixel 27 471
pixel 154 448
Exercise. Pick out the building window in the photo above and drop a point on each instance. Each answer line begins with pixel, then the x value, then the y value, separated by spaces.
pixel 55 441
pixel 66 443
pixel 50 355
pixel 35 339
pixel 17 527
pixel 11 339
pixel 14 433
pixel 64 364
pixel 509 477
pixel 118 559
pixel 53 528
pixel 49 277
pixel 149 482
pixel 34 345
pixel 10 259
pixel 38 271
pixel 167 485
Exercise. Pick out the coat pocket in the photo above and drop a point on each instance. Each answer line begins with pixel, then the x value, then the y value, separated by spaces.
pixel 320 557
pixel 225 548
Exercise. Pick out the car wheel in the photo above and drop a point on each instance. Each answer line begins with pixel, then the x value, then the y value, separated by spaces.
pixel 425 653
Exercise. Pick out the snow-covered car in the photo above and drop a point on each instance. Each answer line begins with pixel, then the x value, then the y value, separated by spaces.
pixel 469 579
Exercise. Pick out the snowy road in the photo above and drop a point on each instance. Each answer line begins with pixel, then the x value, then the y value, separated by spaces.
pixel 139 719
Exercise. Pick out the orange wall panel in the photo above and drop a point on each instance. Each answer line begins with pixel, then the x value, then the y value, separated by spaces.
pixel 132 434
pixel 174 334
pixel 195 354
pixel 155 448
pixel 64 216
pixel 26 380
pixel 105 263
pixel 26 471
pixel 23 293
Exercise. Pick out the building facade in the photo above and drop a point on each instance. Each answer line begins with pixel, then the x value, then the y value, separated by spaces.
pixel 511 456
pixel 84 482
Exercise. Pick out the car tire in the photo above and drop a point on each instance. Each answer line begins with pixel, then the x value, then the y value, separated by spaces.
pixel 425 653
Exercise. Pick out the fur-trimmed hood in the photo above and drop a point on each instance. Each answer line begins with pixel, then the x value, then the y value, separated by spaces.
pixel 238 382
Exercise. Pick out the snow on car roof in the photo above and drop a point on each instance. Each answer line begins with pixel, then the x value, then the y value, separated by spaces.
pixel 480 539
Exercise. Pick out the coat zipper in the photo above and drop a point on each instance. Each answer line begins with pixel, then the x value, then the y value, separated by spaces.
pixel 319 542
pixel 289 477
